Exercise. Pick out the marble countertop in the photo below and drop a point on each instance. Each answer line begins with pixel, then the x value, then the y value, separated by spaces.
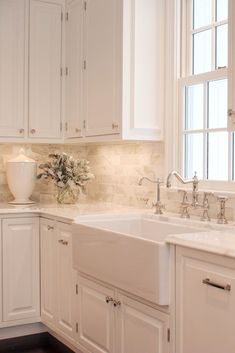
pixel 213 238
pixel 66 212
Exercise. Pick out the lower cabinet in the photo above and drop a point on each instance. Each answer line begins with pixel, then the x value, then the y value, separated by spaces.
pixel 205 302
pixel 20 270
pixel 112 322
pixel 58 279
pixel 141 328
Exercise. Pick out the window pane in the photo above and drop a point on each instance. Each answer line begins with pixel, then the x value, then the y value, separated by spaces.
pixel 222 10
pixel 202 52
pixel 222 46
pixel 217 104
pixel 202 11
pixel 218 156
pixel 193 155
pixel 194 107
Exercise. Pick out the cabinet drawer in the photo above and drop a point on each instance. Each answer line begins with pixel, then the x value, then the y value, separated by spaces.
pixel 205 302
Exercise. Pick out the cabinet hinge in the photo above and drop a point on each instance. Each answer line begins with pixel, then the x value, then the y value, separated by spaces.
pixel 84 124
pixel 66 126
pixel 76 288
pixel 85 5
pixel 61 126
pixel 67 16
pixel 62 16
pixel 66 71
pixel 76 327
pixel 84 64
pixel 168 335
pixel 61 71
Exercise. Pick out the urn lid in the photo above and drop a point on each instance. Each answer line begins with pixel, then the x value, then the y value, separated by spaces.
pixel 21 158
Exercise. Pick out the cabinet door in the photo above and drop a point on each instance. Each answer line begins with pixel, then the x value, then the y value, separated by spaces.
pixel 102 101
pixel 74 59
pixel 96 317
pixel 20 249
pixel 66 280
pixel 45 70
pixel 141 328
pixel 204 311
pixel 48 271
pixel 13 54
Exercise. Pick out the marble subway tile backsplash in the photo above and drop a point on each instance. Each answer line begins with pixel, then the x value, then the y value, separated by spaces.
pixel 117 168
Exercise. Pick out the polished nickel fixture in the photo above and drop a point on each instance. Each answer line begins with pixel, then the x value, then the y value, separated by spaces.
pixel 157 204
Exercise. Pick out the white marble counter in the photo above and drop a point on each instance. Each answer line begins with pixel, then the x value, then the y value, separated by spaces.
pixel 217 242
pixel 65 212
pixel 219 239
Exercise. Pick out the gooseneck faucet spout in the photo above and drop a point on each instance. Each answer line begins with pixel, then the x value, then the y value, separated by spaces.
pixel 193 181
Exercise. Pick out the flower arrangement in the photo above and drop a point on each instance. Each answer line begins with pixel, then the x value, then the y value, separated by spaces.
pixel 69 175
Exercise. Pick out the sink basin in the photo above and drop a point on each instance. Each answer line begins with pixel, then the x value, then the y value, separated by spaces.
pixel 127 251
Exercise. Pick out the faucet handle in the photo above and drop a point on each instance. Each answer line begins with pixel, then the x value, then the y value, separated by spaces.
pixel 158 207
pixel 221 218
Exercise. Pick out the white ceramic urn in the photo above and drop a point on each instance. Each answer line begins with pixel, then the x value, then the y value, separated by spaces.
pixel 21 178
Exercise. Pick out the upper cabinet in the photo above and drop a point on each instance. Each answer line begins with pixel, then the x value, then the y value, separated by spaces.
pixel 45 55
pixel 121 60
pixel 94 72
pixel 74 69
pixel 30 70
pixel 13 67
pixel 102 67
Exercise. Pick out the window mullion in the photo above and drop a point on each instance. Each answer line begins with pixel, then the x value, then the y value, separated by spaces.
pixel 205 135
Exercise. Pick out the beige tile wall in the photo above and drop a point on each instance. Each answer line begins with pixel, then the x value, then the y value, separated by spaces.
pixel 117 168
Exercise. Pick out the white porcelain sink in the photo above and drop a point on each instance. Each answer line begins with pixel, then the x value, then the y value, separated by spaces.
pixel 127 251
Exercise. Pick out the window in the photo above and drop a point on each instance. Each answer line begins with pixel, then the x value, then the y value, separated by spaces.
pixel 205 143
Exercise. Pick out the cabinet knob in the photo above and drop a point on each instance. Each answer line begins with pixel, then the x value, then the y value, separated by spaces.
pixel 114 126
pixel 77 130
pixel 63 242
pixel 50 227
pixel 21 131
pixel 108 299
pixel 32 131
pixel 116 303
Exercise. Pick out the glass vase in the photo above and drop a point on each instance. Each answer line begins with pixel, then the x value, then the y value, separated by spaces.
pixel 67 195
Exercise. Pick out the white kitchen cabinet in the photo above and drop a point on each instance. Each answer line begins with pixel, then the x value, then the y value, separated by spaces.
pixel 122 46
pixel 205 302
pixel 58 279
pixel 74 69
pixel 45 63
pixel 110 321
pixel 13 67
pixel 95 317
pixel 20 264
pixel 102 74
pixel 48 271
pixel 141 328
pixel 66 280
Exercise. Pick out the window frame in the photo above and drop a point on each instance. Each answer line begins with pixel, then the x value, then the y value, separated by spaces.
pixel 176 15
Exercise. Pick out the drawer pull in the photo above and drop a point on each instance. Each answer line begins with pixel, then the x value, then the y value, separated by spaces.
pixel 50 227
pixel 208 282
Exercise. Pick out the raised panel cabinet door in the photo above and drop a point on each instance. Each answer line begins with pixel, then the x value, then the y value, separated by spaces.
pixel 74 69
pixel 205 303
pixel 96 317
pixel 66 280
pixel 13 67
pixel 48 272
pixel 140 328
pixel 20 251
pixel 102 70
pixel 45 70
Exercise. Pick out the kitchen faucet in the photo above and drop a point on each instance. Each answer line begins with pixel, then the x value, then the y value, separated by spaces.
pixel 158 205
pixel 193 181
